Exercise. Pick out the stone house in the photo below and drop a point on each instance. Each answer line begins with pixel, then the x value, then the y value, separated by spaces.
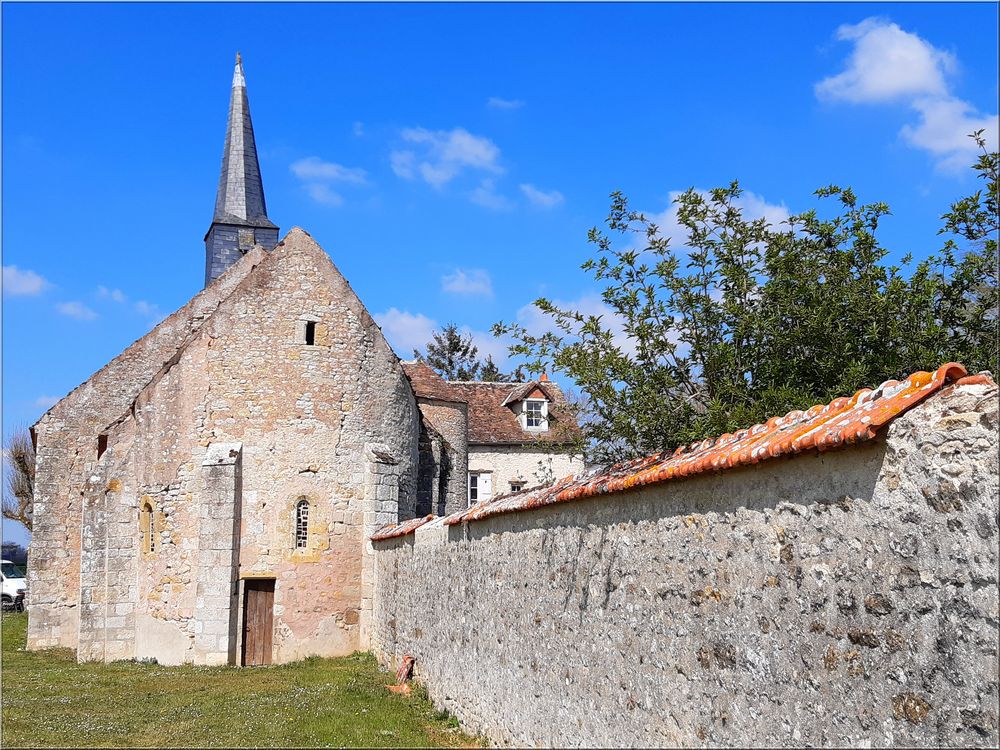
pixel 518 433
pixel 507 436
pixel 207 496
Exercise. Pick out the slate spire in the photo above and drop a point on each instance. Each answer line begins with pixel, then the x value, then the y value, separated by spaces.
pixel 240 219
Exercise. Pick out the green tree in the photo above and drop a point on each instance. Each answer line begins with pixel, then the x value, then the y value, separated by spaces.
pixel 451 354
pixel 493 374
pixel 746 320
pixel 454 357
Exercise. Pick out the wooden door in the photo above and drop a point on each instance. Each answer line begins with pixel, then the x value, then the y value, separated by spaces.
pixel 258 621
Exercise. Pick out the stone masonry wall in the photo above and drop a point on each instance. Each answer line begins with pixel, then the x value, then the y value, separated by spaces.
pixel 451 421
pixel 517 463
pixel 66 458
pixel 302 418
pixel 847 598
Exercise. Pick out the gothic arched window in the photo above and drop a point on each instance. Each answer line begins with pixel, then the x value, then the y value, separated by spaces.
pixel 301 523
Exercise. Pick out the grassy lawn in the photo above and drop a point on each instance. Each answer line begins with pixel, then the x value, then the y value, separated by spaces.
pixel 50 700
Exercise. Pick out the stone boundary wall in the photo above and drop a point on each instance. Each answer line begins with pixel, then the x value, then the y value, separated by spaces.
pixel 847 598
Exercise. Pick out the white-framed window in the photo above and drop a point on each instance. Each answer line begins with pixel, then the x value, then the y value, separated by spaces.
pixel 536 414
pixel 480 486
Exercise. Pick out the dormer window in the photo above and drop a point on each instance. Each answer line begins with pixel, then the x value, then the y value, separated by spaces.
pixel 536 414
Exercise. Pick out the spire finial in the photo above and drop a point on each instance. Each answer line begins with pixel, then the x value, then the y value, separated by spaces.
pixel 238 79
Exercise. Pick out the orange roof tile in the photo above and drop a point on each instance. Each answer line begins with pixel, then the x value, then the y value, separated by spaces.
pixel 403 528
pixel 842 422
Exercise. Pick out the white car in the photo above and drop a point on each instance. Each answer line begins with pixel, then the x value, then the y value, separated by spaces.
pixel 14 585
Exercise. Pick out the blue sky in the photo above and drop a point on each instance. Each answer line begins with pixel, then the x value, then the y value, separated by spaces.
pixel 450 158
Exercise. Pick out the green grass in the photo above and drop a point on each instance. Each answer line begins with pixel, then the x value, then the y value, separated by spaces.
pixel 49 700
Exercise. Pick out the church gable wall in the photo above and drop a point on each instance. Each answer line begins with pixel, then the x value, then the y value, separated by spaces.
pixel 66 456
pixel 303 414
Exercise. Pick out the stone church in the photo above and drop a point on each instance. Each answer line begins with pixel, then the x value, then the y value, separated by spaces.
pixel 208 495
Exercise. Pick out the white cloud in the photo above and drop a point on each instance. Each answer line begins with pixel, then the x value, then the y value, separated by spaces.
pixel 536 322
pixel 495 102
pixel 323 195
pixel 22 283
pixel 485 195
pixel 315 169
pixel 403 163
pixel 444 155
pixel 488 345
pixel 317 176
pixel 753 207
pixel 76 310
pixel 405 331
pixel 46 402
pixel 541 198
pixel 889 64
pixel 116 295
pixel 148 309
pixel 358 128
pixel 944 127
pixel 472 282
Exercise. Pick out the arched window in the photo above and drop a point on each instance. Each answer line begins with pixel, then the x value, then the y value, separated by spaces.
pixel 301 523
pixel 147 528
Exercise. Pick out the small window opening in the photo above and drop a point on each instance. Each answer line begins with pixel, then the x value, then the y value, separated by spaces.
pixel 516 486
pixel 310 332
pixel 301 523
pixel 473 488
pixel 147 525
pixel 102 444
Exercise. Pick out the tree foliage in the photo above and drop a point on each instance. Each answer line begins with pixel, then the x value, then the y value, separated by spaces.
pixel 19 477
pixel 746 320
pixel 454 357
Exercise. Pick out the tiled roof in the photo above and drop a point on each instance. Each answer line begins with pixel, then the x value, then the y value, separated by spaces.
pixel 523 390
pixel 394 530
pixel 428 384
pixel 490 422
pixel 842 422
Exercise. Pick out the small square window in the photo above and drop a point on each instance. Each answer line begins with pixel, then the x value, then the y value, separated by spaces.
pixel 516 486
